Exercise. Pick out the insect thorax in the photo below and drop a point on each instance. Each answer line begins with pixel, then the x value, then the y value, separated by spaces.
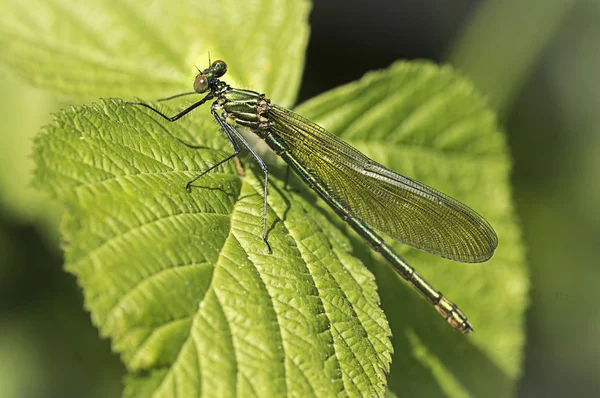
pixel 246 108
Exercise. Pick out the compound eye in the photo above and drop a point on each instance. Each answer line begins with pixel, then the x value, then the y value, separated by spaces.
pixel 200 84
pixel 219 68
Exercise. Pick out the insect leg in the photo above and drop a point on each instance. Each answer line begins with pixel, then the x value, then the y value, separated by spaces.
pixel 184 112
pixel 236 149
pixel 260 162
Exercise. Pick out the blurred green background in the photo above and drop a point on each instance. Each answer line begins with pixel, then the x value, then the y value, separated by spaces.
pixel 538 63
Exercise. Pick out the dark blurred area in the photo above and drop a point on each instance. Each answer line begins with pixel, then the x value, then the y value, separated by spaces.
pixel 538 63
pixel 349 38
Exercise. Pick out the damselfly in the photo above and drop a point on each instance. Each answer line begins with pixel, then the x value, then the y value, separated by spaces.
pixel 365 194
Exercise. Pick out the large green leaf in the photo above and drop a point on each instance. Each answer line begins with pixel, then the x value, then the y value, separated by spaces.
pixel 182 282
pixel 126 210
pixel 428 123
pixel 149 48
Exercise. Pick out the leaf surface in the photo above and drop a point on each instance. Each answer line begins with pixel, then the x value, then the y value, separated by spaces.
pixel 182 282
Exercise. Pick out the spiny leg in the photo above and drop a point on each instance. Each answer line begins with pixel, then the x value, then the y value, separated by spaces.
pixel 184 112
pixel 260 162
pixel 179 115
pixel 236 150
pixel 231 132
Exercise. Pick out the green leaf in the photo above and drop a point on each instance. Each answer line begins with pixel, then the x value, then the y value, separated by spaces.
pixel 428 123
pixel 182 282
pixel 149 49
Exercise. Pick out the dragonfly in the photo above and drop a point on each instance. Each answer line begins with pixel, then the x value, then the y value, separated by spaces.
pixel 369 197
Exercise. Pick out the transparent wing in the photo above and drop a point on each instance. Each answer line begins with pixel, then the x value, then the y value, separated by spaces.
pixel 406 210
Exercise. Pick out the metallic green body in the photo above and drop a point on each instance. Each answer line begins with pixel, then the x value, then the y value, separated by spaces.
pixel 364 193
pixel 251 109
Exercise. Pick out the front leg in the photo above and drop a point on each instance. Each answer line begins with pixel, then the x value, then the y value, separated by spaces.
pixel 184 112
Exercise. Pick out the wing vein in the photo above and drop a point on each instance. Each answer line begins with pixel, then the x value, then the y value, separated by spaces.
pixel 406 210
